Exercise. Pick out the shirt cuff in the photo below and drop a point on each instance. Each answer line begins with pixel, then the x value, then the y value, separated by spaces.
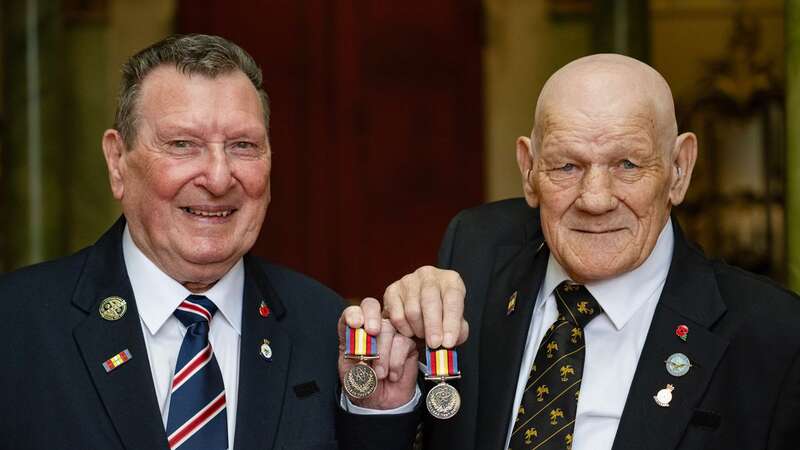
pixel 348 406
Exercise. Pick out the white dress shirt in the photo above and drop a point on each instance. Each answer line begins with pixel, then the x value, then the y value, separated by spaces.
pixel 614 341
pixel 157 295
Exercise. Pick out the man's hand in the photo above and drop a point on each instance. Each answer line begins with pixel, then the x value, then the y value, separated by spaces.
pixel 428 303
pixel 396 368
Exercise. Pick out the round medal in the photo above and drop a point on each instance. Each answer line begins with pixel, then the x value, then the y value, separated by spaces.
pixel 113 308
pixel 443 401
pixel 678 364
pixel 360 381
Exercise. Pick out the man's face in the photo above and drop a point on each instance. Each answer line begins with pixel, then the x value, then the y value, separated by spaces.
pixel 603 187
pixel 195 186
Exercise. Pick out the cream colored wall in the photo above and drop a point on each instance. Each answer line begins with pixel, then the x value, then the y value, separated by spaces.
pixel 524 46
pixel 687 34
pixel 134 25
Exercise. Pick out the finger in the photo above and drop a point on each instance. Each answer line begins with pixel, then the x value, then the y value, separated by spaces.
pixel 385 339
pixel 393 306
pixel 410 292
pixel 464 334
pixel 452 312
pixel 371 309
pixel 351 317
pixel 432 313
pixel 401 348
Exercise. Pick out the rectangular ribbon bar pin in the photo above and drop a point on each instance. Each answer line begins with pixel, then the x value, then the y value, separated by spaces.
pixel 117 360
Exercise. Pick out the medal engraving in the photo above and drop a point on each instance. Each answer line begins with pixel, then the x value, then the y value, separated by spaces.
pixel 360 381
pixel 443 401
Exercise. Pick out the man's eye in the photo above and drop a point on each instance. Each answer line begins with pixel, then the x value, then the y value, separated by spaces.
pixel 180 143
pixel 568 167
pixel 627 164
pixel 244 145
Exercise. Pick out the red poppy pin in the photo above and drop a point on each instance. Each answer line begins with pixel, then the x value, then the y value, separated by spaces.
pixel 263 310
pixel 682 331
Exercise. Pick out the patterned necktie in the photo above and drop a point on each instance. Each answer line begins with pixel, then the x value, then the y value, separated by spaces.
pixel 197 417
pixel 546 416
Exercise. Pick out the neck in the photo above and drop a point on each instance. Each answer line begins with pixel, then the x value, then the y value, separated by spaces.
pixel 198 288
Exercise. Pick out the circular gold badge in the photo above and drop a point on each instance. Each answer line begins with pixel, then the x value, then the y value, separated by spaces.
pixel 360 381
pixel 443 401
pixel 113 308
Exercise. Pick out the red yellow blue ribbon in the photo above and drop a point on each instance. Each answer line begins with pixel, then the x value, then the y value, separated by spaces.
pixel 442 362
pixel 117 360
pixel 359 343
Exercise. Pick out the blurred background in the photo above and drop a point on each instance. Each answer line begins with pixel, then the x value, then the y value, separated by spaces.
pixel 391 116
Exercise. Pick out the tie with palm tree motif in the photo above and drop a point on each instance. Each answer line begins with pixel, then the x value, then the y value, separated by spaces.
pixel 546 416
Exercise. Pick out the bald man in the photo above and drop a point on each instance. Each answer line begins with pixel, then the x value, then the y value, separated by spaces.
pixel 594 323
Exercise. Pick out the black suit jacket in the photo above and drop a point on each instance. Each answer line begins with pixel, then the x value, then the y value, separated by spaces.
pixel 743 391
pixel 57 395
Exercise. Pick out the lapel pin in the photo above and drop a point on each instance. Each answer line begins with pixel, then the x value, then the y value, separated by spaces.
pixel 263 309
pixel 117 360
pixel 113 308
pixel 512 304
pixel 678 364
pixel 266 350
pixel 682 332
pixel 664 396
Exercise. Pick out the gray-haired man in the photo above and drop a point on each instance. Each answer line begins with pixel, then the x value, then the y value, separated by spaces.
pixel 166 333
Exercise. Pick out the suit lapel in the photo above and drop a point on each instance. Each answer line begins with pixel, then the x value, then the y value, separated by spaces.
pixel 690 297
pixel 504 334
pixel 127 392
pixel 262 383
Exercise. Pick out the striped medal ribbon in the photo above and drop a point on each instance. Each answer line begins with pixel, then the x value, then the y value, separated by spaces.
pixel 443 400
pixel 360 380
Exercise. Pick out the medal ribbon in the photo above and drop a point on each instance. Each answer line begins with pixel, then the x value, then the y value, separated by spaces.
pixel 359 343
pixel 442 362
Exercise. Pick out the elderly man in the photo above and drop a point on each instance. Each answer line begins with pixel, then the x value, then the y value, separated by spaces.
pixel 594 323
pixel 166 333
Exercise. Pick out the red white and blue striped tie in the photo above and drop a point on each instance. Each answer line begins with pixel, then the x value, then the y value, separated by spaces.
pixel 197 417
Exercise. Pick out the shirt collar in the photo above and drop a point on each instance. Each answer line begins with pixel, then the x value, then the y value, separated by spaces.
pixel 157 294
pixel 621 296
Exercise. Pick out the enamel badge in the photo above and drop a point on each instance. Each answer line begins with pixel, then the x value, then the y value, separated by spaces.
pixel 664 396
pixel 678 364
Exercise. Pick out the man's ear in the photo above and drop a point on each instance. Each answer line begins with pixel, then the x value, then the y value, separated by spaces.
pixel 683 160
pixel 525 162
pixel 114 152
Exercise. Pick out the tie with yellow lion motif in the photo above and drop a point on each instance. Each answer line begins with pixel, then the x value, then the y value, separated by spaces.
pixel 546 416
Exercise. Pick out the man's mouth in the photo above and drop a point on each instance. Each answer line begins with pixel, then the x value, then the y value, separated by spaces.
pixel 209 212
pixel 610 230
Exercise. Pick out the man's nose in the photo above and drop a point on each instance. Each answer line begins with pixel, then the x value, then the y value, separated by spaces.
pixel 597 196
pixel 217 176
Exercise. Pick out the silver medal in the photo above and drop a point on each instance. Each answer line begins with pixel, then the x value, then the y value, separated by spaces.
pixel 443 401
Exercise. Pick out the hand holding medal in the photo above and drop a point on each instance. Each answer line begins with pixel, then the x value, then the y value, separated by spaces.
pixel 377 365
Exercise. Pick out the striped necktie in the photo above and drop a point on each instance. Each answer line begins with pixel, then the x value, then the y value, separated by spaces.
pixel 546 416
pixel 197 417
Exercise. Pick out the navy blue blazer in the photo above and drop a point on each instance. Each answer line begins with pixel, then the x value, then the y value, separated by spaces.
pixel 56 393
pixel 742 392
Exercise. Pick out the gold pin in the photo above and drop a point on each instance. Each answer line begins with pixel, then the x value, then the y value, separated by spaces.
pixel 512 304
pixel 113 308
